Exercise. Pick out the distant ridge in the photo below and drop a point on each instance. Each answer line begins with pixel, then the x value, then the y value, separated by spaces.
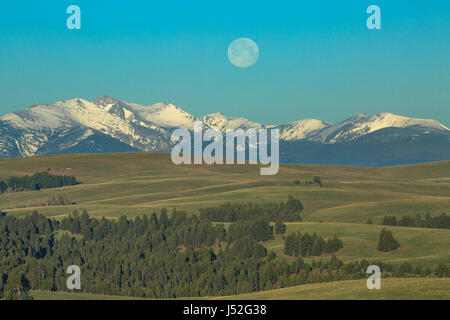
pixel 108 124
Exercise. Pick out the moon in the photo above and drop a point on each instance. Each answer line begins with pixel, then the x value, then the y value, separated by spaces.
pixel 243 52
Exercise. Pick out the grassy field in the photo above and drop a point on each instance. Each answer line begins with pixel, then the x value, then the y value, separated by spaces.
pixel 138 183
pixel 418 245
pixel 52 295
pixel 133 184
pixel 391 289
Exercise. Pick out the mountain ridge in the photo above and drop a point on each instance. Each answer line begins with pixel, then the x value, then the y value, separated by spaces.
pixel 52 128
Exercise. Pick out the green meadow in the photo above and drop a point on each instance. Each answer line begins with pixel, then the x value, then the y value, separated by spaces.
pixel 391 289
pixel 52 295
pixel 134 184
pixel 417 245
pixel 140 183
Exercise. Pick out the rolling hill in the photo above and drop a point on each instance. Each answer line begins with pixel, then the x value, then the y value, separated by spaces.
pixel 138 183
pixel 392 289
pixel 134 184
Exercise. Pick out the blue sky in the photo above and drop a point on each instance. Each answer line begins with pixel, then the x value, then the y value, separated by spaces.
pixel 317 59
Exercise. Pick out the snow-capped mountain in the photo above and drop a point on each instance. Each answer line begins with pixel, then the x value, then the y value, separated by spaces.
pixel 108 124
pixel 363 124
pixel 302 129
pixel 145 128
pixel 218 121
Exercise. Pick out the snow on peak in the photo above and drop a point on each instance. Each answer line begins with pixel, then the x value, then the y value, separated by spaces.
pixel 362 124
pixel 119 119
pixel 36 117
pixel 387 119
pixel 371 123
pixel 164 115
pixel 218 121
pixel 105 100
pixel 301 129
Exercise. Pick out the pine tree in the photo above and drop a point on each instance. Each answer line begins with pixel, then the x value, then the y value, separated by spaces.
pixel 280 227
pixel 386 241
pixel 316 249
pixel 3 187
pixel 17 286
pixel 289 244
pixel 163 218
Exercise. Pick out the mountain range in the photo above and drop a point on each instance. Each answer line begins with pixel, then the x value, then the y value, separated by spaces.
pixel 108 124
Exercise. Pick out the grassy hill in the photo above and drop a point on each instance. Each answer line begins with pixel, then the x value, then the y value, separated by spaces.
pixel 52 295
pixel 418 245
pixel 133 184
pixel 139 183
pixel 391 288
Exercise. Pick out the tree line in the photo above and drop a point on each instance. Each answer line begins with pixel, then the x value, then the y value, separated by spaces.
pixel 40 180
pixel 257 229
pixel 297 244
pixel 440 222
pixel 283 211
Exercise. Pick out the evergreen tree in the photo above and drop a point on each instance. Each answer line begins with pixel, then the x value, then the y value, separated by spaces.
pixel 280 227
pixel 142 258
pixel 298 244
pixel 386 241
pixel 442 271
pixel 3 187
pixel 17 286
pixel 163 218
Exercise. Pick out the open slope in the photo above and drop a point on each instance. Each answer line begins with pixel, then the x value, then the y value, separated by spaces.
pixel 417 245
pixel 138 183
pixel 391 289
pixel 133 184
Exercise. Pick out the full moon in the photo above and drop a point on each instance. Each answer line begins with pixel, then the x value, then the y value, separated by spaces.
pixel 243 52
